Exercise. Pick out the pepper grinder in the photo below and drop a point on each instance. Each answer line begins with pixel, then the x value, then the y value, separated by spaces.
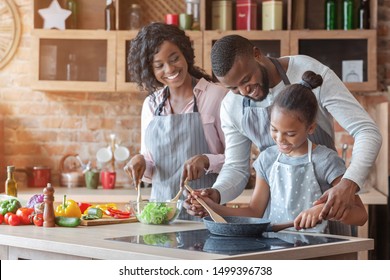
pixel 48 212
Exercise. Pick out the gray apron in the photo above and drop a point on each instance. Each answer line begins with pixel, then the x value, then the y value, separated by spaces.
pixel 293 188
pixel 173 139
pixel 256 126
pixel 256 122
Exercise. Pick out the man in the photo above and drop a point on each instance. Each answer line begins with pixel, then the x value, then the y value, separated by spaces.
pixel 254 80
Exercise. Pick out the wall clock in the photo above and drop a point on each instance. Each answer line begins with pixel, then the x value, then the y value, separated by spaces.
pixel 10 30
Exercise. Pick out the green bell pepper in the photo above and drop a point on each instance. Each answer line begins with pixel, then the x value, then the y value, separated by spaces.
pixel 9 205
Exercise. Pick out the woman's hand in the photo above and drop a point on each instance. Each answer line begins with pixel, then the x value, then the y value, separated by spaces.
pixel 135 168
pixel 195 167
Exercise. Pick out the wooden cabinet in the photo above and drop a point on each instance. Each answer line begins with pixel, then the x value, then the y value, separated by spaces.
pixel 101 56
pixel 329 47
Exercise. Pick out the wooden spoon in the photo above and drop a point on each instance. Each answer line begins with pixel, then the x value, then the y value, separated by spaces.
pixel 176 198
pixel 216 217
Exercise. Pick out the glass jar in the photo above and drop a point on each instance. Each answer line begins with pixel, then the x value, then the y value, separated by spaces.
pixel 134 16
pixel 71 68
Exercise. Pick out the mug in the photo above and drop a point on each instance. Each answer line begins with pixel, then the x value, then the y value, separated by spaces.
pixel 172 19
pixel 108 179
pixel 91 179
pixel 185 21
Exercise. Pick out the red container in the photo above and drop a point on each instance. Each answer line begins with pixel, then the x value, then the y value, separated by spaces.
pixel 246 15
pixel 172 19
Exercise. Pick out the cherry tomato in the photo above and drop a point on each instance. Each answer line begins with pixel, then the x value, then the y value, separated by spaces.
pixel 25 215
pixel 1 218
pixel 6 216
pixel 13 220
pixel 38 220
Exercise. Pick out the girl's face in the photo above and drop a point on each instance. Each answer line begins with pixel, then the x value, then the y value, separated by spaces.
pixel 169 65
pixel 290 131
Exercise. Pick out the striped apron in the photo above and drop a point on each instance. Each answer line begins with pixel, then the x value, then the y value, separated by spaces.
pixel 256 126
pixel 173 139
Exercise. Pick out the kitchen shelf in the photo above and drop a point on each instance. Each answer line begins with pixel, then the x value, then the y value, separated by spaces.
pixel 95 60
pixel 111 47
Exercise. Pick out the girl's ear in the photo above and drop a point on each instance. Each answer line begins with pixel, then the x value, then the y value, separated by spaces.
pixel 311 128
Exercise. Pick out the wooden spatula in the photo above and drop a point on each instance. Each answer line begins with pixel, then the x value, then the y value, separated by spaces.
pixel 216 217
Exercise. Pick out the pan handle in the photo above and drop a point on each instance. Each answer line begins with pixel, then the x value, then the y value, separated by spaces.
pixel 281 226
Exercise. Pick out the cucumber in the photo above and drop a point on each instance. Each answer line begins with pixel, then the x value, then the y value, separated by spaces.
pixel 95 212
pixel 68 221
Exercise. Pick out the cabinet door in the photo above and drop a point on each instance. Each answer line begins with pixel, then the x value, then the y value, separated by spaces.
pixel 124 38
pixel 73 60
pixel 271 43
pixel 347 53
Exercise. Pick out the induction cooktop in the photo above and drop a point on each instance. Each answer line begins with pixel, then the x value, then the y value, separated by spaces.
pixel 202 240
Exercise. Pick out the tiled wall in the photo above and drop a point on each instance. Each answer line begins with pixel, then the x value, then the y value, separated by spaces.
pixel 40 127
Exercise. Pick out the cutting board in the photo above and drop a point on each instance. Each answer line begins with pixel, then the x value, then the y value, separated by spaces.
pixel 107 221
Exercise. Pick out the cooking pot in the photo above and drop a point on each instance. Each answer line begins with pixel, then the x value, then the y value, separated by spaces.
pixel 37 176
pixel 243 226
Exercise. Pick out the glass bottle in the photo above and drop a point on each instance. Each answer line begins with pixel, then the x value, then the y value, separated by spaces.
pixel 330 15
pixel 71 68
pixel 109 15
pixel 364 15
pixel 71 22
pixel 134 16
pixel 348 14
pixel 11 187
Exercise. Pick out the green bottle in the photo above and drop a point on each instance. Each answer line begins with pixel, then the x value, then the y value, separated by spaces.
pixel 330 15
pixel 71 21
pixel 348 15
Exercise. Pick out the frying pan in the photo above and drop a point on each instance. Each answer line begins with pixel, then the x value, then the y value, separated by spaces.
pixel 243 226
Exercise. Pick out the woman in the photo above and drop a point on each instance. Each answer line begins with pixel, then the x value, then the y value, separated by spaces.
pixel 181 136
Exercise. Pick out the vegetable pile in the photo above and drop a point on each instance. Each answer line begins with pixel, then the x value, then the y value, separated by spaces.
pixel 155 213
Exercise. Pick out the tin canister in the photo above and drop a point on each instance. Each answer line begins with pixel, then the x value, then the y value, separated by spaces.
pixel 272 15
pixel 221 15
pixel 246 15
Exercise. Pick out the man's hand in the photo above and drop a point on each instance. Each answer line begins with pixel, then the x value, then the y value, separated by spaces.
pixel 193 207
pixel 338 200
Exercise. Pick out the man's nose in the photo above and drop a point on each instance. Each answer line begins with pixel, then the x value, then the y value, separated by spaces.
pixel 245 90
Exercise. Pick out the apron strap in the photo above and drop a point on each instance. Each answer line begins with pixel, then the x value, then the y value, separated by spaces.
pixel 281 71
pixel 309 147
pixel 160 106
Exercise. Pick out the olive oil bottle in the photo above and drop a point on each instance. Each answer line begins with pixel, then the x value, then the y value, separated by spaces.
pixel 11 186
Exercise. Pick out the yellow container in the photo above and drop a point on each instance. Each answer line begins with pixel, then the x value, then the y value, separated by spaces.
pixel 221 15
pixel 272 15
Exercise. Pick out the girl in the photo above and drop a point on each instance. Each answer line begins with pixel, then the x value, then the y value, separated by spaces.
pixel 292 174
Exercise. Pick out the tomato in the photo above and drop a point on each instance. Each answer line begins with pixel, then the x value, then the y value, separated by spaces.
pixel 13 220
pixel 6 216
pixel 1 219
pixel 25 215
pixel 38 220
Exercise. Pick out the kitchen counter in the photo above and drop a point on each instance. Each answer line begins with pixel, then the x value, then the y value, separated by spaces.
pixel 90 242
pixel 124 195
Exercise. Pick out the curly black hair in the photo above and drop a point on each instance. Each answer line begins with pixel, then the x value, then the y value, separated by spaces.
pixel 147 43
pixel 225 51
pixel 300 98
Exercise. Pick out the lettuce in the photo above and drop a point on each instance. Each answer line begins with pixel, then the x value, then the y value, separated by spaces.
pixel 155 213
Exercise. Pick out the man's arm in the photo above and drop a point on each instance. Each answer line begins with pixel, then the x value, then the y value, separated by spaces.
pixel 234 174
pixel 346 110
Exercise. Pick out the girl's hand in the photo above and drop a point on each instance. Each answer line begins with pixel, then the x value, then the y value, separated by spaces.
pixel 308 218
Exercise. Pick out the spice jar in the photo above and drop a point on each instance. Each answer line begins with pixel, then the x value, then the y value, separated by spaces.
pixel 272 15
pixel 246 15
pixel 134 16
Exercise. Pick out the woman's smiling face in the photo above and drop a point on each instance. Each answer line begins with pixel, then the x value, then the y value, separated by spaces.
pixel 169 65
